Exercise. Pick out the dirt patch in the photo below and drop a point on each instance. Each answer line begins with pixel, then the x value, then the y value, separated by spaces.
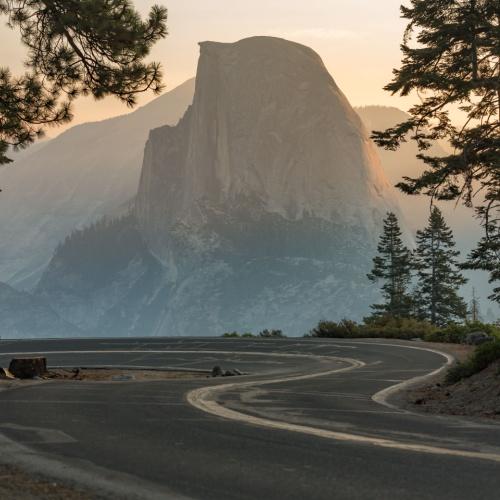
pixel 119 375
pixel 459 351
pixel 477 396
pixel 104 375
pixel 15 483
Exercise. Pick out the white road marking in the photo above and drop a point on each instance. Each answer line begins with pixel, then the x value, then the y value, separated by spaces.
pixel 48 436
pixel 382 396
pixel 205 399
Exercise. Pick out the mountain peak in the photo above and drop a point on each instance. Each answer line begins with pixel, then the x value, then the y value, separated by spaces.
pixel 268 123
pixel 261 207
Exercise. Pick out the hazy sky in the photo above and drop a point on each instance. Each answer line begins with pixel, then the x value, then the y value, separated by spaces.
pixel 358 40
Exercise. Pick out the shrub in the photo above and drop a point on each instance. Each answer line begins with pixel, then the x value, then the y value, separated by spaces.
pixel 267 334
pixel 231 335
pixel 389 327
pixel 489 328
pixel 330 329
pixel 483 356
pixel 397 328
pixel 452 334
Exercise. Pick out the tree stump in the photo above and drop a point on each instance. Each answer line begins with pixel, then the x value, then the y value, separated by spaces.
pixel 28 367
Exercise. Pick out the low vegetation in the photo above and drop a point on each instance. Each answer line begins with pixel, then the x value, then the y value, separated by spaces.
pixel 419 291
pixel 484 356
pixel 264 334
pixel 400 328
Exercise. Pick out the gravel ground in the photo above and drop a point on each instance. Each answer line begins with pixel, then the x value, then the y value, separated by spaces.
pixel 19 485
pixel 117 375
pixel 103 375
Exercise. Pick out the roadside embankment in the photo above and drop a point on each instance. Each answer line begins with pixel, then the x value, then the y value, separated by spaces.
pixel 470 388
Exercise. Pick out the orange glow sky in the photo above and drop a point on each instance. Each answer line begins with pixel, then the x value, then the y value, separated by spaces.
pixel 358 40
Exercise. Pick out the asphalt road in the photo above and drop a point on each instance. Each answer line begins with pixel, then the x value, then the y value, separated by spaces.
pixel 302 425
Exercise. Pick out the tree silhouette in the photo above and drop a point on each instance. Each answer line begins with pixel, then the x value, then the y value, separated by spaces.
pixel 393 267
pixel 451 60
pixel 439 277
pixel 74 47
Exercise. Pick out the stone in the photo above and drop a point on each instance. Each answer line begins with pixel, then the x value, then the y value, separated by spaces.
pixel 28 368
pixel 477 338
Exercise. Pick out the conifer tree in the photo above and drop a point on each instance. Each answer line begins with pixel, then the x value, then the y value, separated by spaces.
pixel 74 47
pixel 451 53
pixel 439 277
pixel 487 257
pixel 393 267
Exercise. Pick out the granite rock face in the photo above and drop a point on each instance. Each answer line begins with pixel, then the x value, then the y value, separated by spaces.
pixel 265 202
pixel 268 128
pixel 57 186
pixel 260 209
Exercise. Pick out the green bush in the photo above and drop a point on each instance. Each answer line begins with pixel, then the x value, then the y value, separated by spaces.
pixel 483 356
pixel 231 335
pixel 380 327
pixel 236 335
pixel 489 328
pixel 456 334
pixel 452 334
pixel 486 354
pixel 397 328
pixel 388 327
pixel 274 334
pixel 330 329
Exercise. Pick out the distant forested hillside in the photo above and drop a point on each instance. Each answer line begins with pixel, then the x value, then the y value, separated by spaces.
pixel 104 279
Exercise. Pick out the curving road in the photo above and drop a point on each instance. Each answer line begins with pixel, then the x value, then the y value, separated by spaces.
pixel 311 420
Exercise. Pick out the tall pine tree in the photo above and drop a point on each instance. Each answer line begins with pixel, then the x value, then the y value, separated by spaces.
pixel 450 60
pixel 439 278
pixel 393 268
pixel 74 48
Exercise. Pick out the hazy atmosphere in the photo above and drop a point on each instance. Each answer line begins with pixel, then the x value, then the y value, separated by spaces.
pixel 249 250
pixel 358 40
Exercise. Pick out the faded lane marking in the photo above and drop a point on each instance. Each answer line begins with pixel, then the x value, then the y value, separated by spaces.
pixel 47 436
pixel 205 400
pixel 382 396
